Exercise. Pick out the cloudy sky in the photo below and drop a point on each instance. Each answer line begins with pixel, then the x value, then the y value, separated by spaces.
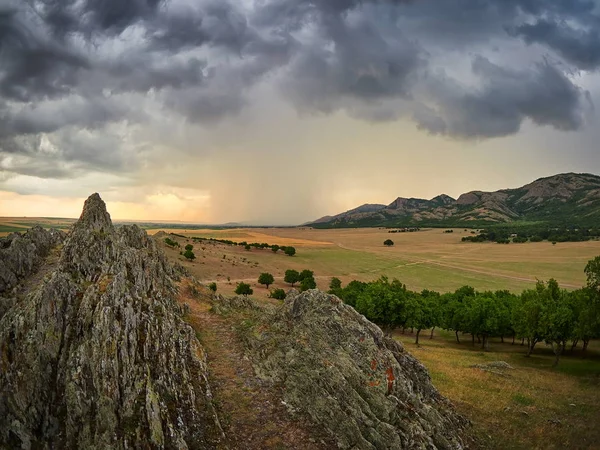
pixel 281 111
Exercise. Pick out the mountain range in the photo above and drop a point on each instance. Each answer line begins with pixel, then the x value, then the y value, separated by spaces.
pixel 566 199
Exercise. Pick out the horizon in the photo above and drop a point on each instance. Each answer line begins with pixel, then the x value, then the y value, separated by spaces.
pixel 282 112
pixel 257 224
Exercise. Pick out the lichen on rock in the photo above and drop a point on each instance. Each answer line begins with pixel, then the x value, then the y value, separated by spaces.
pixel 98 355
pixel 340 370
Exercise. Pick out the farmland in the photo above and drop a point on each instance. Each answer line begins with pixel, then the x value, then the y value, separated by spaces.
pixel 428 259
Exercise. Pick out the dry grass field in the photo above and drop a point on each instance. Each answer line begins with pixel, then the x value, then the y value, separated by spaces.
pixel 531 406
pixel 21 224
pixel 428 259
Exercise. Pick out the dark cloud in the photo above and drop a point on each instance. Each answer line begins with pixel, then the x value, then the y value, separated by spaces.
pixel 81 66
pixel 581 47
pixel 506 98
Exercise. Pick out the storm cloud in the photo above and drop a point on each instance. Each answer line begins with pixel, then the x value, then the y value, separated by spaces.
pixel 84 82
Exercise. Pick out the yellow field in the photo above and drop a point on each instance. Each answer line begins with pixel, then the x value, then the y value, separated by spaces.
pixel 428 259
pixel 21 224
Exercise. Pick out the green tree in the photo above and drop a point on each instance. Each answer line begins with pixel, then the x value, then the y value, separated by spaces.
pixel 266 279
pixel 290 251
pixel 171 243
pixel 189 247
pixel 307 283
pixel 213 287
pixel 335 284
pixel 388 242
pixel 383 303
pixel 278 294
pixel 274 248
pixel 291 276
pixel 247 247
pixel 188 254
pixel 306 274
pixel 244 289
pixel 528 316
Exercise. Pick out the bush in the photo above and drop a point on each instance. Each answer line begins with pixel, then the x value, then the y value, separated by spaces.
pixel 243 289
pixel 266 279
pixel 278 294
pixel 171 243
pixel 188 254
pixel 189 247
pixel 247 246
pixel 213 287
pixel 388 242
pixel 290 251
pixel 335 284
pixel 275 248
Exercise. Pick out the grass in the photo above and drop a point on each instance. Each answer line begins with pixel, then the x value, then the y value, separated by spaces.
pixel 533 406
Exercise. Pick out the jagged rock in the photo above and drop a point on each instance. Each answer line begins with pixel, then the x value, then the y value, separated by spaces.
pixel 338 368
pixel 98 356
pixel 21 254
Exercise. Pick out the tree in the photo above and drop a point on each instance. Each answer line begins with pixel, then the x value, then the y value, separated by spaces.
pixel 528 315
pixel 247 247
pixel 291 276
pixel 388 242
pixel 383 303
pixel 189 247
pixel 266 279
pixel 308 283
pixel 243 289
pixel 290 251
pixel 213 287
pixel 278 294
pixel 274 248
pixel 306 274
pixel 188 254
pixel 335 286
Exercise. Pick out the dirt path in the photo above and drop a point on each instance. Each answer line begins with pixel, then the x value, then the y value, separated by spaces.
pixel 250 411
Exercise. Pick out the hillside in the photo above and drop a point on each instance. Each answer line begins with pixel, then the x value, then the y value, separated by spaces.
pixel 569 198
pixel 103 346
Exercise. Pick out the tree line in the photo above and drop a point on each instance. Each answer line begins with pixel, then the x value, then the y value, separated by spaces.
pixel 288 250
pixel 545 313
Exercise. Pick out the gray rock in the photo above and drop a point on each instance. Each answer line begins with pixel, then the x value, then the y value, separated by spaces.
pixel 98 356
pixel 338 368
pixel 22 254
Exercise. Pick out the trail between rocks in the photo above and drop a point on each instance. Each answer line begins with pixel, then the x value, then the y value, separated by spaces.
pixel 251 413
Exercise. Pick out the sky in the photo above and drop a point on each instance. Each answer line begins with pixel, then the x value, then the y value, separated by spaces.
pixel 282 111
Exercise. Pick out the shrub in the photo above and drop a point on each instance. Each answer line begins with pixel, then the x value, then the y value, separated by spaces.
pixel 188 254
pixel 278 294
pixel 189 247
pixel 171 243
pixel 290 251
pixel 243 289
pixel 213 286
pixel 388 242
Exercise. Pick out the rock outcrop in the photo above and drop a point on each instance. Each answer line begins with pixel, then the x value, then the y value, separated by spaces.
pixel 338 368
pixel 97 356
pixel 20 256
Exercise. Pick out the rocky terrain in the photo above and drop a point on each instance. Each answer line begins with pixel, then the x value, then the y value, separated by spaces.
pixel 97 354
pixel 337 368
pixel 564 198
pixel 99 350
pixel 22 255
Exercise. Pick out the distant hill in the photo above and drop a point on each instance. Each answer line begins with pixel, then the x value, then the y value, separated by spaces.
pixel 568 198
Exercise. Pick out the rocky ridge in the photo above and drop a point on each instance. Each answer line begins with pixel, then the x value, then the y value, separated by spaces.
pixel 564 197
pixel 339 369
pixel 98 355
pixel 22 255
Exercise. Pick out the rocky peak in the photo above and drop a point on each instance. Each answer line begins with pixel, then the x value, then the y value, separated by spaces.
pixel 94 216
pixel 98 355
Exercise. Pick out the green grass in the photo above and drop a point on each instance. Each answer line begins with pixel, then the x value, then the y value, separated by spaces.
pixel 532 406
pixel 10 229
